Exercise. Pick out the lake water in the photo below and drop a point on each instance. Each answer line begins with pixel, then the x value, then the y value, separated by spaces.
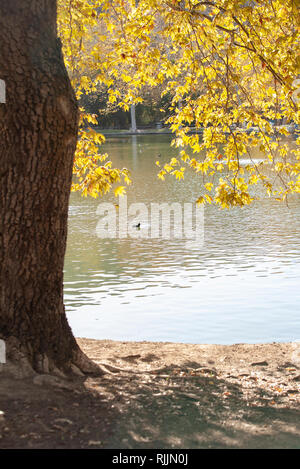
pixel 241 285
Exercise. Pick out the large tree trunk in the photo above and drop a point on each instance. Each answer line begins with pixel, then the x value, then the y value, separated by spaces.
pixel 38 131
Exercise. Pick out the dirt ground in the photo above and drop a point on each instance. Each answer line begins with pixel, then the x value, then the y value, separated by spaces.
pixel 161 395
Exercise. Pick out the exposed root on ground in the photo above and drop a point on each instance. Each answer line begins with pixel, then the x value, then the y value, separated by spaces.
pixel 22 364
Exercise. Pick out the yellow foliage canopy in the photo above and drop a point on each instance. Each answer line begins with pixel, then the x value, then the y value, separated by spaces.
pixel 230 69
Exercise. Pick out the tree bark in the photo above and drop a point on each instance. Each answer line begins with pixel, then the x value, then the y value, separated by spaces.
pixel 38 131
pixel 133 119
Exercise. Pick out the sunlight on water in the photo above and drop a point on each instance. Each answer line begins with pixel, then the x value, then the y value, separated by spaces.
pixel 242 285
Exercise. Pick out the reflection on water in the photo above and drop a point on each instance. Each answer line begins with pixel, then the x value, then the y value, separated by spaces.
pixel 242 285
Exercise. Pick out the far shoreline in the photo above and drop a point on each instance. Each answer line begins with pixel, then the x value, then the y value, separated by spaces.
pixel 108 133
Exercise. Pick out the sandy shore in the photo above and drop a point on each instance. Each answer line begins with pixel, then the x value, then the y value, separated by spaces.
pixel 161 395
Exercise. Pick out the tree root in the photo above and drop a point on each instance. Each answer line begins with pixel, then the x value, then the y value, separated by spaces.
pixel 82 365
pixel 20 365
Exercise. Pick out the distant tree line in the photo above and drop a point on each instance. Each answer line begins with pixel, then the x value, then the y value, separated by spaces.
pixel 151 113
